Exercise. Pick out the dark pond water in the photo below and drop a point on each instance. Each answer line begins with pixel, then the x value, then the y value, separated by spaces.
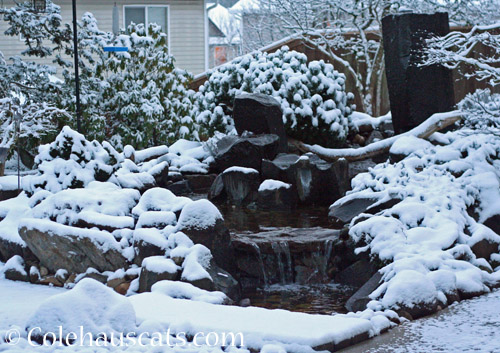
pixel 312 299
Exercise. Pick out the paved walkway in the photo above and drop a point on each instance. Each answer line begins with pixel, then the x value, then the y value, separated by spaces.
pixel 469 326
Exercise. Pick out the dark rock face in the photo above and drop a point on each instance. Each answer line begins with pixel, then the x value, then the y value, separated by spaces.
pixel 316 181
pixel 415 92
pixel 241 185
pixel 222 281
pixel 343 212
pixel 149 277
pixel 245 151
pixel 484 249
pixel 144 249
pixel 217 191
pixel 357 274
pixel 493 223
pixel 218 240
pixel 160 173
pixel 180 188
pixel 71 252
pixel 9 249
pixel 259 114
pixel 8 194
pixel 359 300
pixel 200 183
pixel 283 198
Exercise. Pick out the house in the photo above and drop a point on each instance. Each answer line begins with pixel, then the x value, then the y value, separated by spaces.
pixel 224 43
pixel 184 21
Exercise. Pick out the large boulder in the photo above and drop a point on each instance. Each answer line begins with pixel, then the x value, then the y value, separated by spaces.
pixel 148 242
pixel 241 185
pixel 202 222
pixel 245 151
pixel 155 269
pixel 493 223
pixel 316 181
pixel 359 300
pixel 73 249
pixel 276 195
pixel 357 274
pixel 344 210
pixel 260 114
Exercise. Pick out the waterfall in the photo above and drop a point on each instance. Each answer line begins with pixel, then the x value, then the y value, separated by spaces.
pixel 281 268
pixel 289 270
pixel 328 248
pixel 261 262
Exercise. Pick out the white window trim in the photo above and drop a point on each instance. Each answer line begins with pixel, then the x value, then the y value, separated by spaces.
pixel 146 15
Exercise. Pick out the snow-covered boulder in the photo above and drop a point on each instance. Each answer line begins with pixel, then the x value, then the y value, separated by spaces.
pixel 259 114
pixel 74 249
pixel 155 269
pixel 276 195
pixel 202 222
pixel 91 305
pixel 316 181
pixel 15 269
pixel 245 151
pixel 241 185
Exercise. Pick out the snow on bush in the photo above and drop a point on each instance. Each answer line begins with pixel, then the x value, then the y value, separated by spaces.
pixel 316 108
pixel 482 110
pixel 424 242
pixel 72 162
pixel 90 304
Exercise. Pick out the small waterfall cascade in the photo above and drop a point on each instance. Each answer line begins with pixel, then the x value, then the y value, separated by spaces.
pixel 261 263
pixel 284 259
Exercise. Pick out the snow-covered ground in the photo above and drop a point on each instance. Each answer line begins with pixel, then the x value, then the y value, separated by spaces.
pixel 469 326
pixel 24 307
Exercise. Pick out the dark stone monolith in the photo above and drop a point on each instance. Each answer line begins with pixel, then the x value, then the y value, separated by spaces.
pixel 416 92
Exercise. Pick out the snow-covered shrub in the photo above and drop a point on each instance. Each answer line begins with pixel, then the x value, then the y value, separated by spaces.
pixel 73 162
pixel 315 106
pixel 482 110
pixel 138 97
pixel 431 229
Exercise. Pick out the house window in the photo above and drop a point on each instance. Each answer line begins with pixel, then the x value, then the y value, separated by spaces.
pixel 147 15
pixel 220 55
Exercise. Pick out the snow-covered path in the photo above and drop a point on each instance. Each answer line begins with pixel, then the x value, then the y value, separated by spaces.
pixel 469 326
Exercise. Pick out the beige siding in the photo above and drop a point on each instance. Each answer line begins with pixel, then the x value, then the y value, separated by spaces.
pixel 187 27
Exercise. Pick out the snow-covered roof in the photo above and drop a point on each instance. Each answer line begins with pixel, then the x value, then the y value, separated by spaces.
pixel 245 5
pixel 226 21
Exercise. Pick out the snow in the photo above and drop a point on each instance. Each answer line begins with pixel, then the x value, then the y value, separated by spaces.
pixel 405 145
pixel 102 239
pixel 271 184
pixel 195 264
pixel 383 144
pixel 99 309
pixel 159 264
pixel 151 236
pixel 156 219
pixel 240 170
pixel 15 263
pixel 200 214
pixel 181 290
pixel 425 240
pixel 297 331
pixel 359 119
pixel 12 211
pixel 150 153
pixel 8 182
pixel 159 199
pixel 468 326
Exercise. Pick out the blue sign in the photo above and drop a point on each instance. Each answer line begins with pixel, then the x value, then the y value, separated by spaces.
pixel 115 49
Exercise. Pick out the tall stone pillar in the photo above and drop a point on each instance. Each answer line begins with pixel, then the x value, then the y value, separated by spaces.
pixel 415 92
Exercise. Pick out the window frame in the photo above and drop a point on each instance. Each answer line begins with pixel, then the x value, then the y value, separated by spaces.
pixel 145 6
